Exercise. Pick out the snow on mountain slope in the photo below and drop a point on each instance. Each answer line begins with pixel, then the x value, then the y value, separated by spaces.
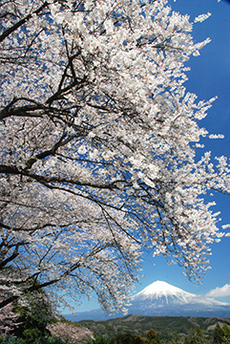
pixel 162 290
pixel 161 298
pixel 167 293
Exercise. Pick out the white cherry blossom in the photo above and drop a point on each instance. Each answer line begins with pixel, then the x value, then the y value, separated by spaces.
pixel 97 137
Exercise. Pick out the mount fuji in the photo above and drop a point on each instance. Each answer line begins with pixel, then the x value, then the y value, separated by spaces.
pixel 163 299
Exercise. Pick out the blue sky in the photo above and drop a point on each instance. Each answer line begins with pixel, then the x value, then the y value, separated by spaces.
pixel 209 76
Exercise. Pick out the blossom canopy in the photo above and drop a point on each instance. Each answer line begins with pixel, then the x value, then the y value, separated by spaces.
pixel 98 142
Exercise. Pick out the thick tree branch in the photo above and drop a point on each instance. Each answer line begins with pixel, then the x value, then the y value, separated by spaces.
pixel 13 28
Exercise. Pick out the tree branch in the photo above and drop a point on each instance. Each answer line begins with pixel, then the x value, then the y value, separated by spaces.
pixel 21 22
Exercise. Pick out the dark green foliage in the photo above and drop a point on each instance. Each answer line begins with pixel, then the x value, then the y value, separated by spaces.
pixel 153 337
pixel 186 341
pixel 218 335
pixel 45 340
pixel 221 335
pixel 48 340
pixel 31 327
pixel 176 340
pixel 196 337
pixel 34 318
pixel 11 340
pixel 100 340
pixel 130 339
pixel 226 331
pixel 173 341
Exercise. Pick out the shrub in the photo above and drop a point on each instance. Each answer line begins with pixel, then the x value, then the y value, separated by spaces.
pixel 69 332
pixel 11 340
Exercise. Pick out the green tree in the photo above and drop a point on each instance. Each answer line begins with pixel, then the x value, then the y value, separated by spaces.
pixel 130 339
pixel 218 336
pixel 11 340
pixel 186 340
pixel 226 331
pixel 175 340
pixel 34 317
pixel 153 337
pixel 221 335
pixel 198 337
pixel 172 341
pixel 100 340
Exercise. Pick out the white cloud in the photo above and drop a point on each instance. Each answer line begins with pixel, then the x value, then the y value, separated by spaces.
pixel 220 292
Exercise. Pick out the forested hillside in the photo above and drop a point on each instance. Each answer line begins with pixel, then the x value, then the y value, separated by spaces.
pixel 169 328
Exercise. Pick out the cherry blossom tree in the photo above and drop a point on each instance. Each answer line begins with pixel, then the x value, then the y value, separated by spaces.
pixel 8 320
pixel 98 139
pixel 70 332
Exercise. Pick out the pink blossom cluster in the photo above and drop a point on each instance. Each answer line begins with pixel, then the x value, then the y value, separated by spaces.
pixel 70 333
pixel 8 319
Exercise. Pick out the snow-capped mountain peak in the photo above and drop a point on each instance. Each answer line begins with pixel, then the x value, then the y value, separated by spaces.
pixel 164 291
pixel 160 288
pixel 161 298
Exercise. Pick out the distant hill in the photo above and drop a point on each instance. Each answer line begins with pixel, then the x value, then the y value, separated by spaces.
pixel 167 327
pixel 163 299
